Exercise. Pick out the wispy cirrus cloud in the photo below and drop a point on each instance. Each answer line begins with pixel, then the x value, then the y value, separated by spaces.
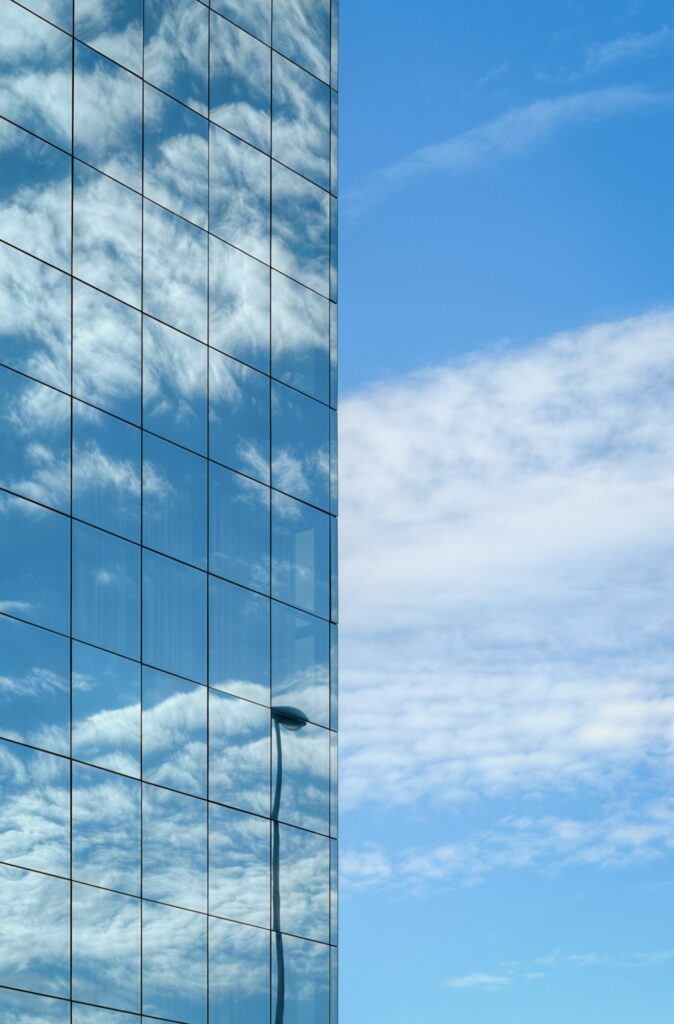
pixel 628 48
pixel 479 980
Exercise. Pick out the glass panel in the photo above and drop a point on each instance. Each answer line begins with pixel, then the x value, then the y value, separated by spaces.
pixel 175 374
pixel 300 236
pixel 334 47
pixel 238 980
pixel 176 50
pixel 334 227
pixel 300 337
pixel 334 146
pixel 106 352
pixel 22 1008
pixel 34 686
pixel 107 241
pixel 301 128
pixel 333 353
pixel 34 931
pixel 303 882
pixel 111 143
pixel 35 196
pixel 34 318
pixel 302 32
pixel 175 270
pixel 239 529
pixel 174 617
pixel 34 563
pixel 334 581
pixel 106 710
pixel 239 304
pixel 60 12
pixel 300 545
pixel 239 641
pixel 253 15
pixel 238 753
pixel 300 449
pixel 93 1015
pixel 35 449
pixel 174 732
pixel 304 990
pixel 301 772
pixel 175 157
pixel 106 591
pixel 174 848
pixel 334 893
pixel 106 948
pixel 106 830
pixel 106 471
pixel 238 866
pixel 35 74
pixel 299 668
pixel 333 464
pixel 174 963
pixel 334 676
pixel 240 83
pixel 239 194
pixel 239 416
pixel 114 29
pixel 34 809
pixel 174 501
pixel 334 803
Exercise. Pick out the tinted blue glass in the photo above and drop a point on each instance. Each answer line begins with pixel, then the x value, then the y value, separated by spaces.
pixel 106 710
pixel 174 732
pixel 239 194
pixel 176 50
pixel 300 446
pixel 175 157
pixel 240 83
pixel 306 971
pixel 334 150
pixel 334 229
pixel 302 32
pixel 300 338
pixel 239 529
pixel 34 809
pixel 34 686
pixel 300 546
pixel 253 15
pixel 60 12
pixel 239 641
pixel 299 669
pixel 334 769
pixel 238 980
pixel 333 464
pixel 174 616
pixel 300 238
pixel 238 753
pixel 34 931
pixel 174 501
pixel 35 196
pixel 106 829
pixel 106 948
pixel 175 270
pixel 239 305
pixel 174 848
pixel 34 440
pixel 115 29
pixel 334 345
pixel 106 591
pixel 334 892
pixel 239 416
pixel 94 1015
pixel 23 1008
pixel 334 676
pixel 174 963
pixel 175 371
pixel 301 128
pixel 304 883
pixel 34 563
pixel 334 44
pixel 334 581
pixel 238 866
pixel 106 471
pixel 301 774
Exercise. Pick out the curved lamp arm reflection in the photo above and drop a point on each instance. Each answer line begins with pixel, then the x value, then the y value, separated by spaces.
pixel 291 719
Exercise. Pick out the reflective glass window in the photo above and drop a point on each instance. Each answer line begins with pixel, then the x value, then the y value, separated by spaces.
pixel 238 978
pixel 238 641
pixel 176 50
pixel 35 74
pixel 174 848
pixel 239 194
pixel 34 809
pixel 106 948
pixel 300 337
pixel 106 829
pixel 240 83
pixel 106 591
pixel 34 563
pixel 174 616
pixel 111 143
pixel 300 446
pixel 174 963
pixel 35 448
pixel 334 146
pixel 114 29
pixel 174 732
pixel 94 1015
pixel 175 157
pixel 333 463
pixel 238 866
pixel 239 529
pixel 175 270
pixel 306 973
pixel 301 128
pixel 253 15
pixel 334 345
pixel 106 352
pixel 34 931
pixel 106 471
pixel 238 753
pixel 239 304
pixel 300 546
pixel 301 773
pixel 35 196
pixel 174 501
pixel 35 686
pixel 299 667
pixel 334 580
pixel 34 318
pixel 106 710
pixel 334 675
pixel 23 1008
pixel 334 44
pixel 107 241
pixel 175 374
pixel 300 237
pixel 239 417
pixel 334 892
pixel 334 802
pixel 302 32
pixel 334 228
pixel 303 882
pixel 60 12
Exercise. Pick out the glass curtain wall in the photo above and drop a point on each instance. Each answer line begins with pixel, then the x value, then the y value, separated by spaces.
pixel 168 608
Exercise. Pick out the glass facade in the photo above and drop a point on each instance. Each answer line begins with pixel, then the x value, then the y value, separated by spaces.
pixel 168 599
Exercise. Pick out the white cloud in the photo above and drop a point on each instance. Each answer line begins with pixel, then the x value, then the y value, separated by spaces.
pixel 479 980
pixel 627 48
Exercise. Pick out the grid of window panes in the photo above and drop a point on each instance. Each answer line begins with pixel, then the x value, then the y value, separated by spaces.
pixel 168 717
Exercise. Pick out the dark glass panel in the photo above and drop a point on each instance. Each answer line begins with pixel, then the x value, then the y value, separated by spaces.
pixel 302 32
pixel 34 686
pixel 175 373
pixel 106 471
pixel 238 753
pixel 300 446
pixel 300 337
pixel 106 591
pixel 174 732
pixel 305 969
pixel 253 15
pixel 34 931
pixel 175 157
pixel 301 773
pixel 239 305
pixel 34 809
pixel 238 866
pixel 299 669
pixel 176 50
pixel 300 555
pixel 106 710
pixel 116 29
pixel 174 501
pixel 238 981
pixel 240 83
pixel 175 270
pixel 304 883
pixel 239 417
pixel 239 194
pixel 301 121
pixel 300 238
pixel 239 641
pixel 174 616
pixel 239 529
pixel 106 829
pixel 174 963
pixel 23 1008
pixel 174 848
pixel 106 948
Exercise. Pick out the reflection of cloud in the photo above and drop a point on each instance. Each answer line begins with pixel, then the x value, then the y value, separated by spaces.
pixel 302 31
pixel 106 947
pixel 304 882
pixel 34 931
pixel 301 134
pixel 174 963
pixel 175 157
pixel 240 79
pixel 174 738
pixel 239 304
pixel 107 235
pixel 175 271
pixel 114 28
pixel 35 809
pixel 300 229
pixel 176 50
pixel 174 848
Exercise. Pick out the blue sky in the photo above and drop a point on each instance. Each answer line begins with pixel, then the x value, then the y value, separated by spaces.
pixel 507 359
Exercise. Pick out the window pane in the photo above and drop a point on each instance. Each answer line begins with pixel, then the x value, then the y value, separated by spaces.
pixel 114 29
pixel 106 710
pixel 334 228
pixel 106 948
pixel 106 591
pixel 60 12
pixel 334 148
pixel 300 338
pixel 334 892
pixel 175 157
pixel 106 829
pixel 334 47
pixel 306 971
pixel 107 242
pixel 239 641
pixel 239 194
pixel 35 447
pixel 174 732
pixel 334 675
pixel 174 501
pixel 34 809
pixel 175 371
pixel 106 471
pixel 300 446
pixel 333 463
pixel 299 670
pixel 334 344
pixel 300 555
pixel 300 229
pixel 239 529
pixel 34 931
pixel 238 866
pixel 239 305
pixel 302 32
pixel 240 83
pixel 238 753
pixel 301 129
pixel 176 49
pixel 239 417
pixel 93 1015
pixel 34 686
pixel 22 1008
pixel 174 963
pixel 175 270
pixel 304 882
pixel 174 617
pixel 174 848
pixel 334 803
pixel 301 774
pixel 238 979
pixel 253 15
